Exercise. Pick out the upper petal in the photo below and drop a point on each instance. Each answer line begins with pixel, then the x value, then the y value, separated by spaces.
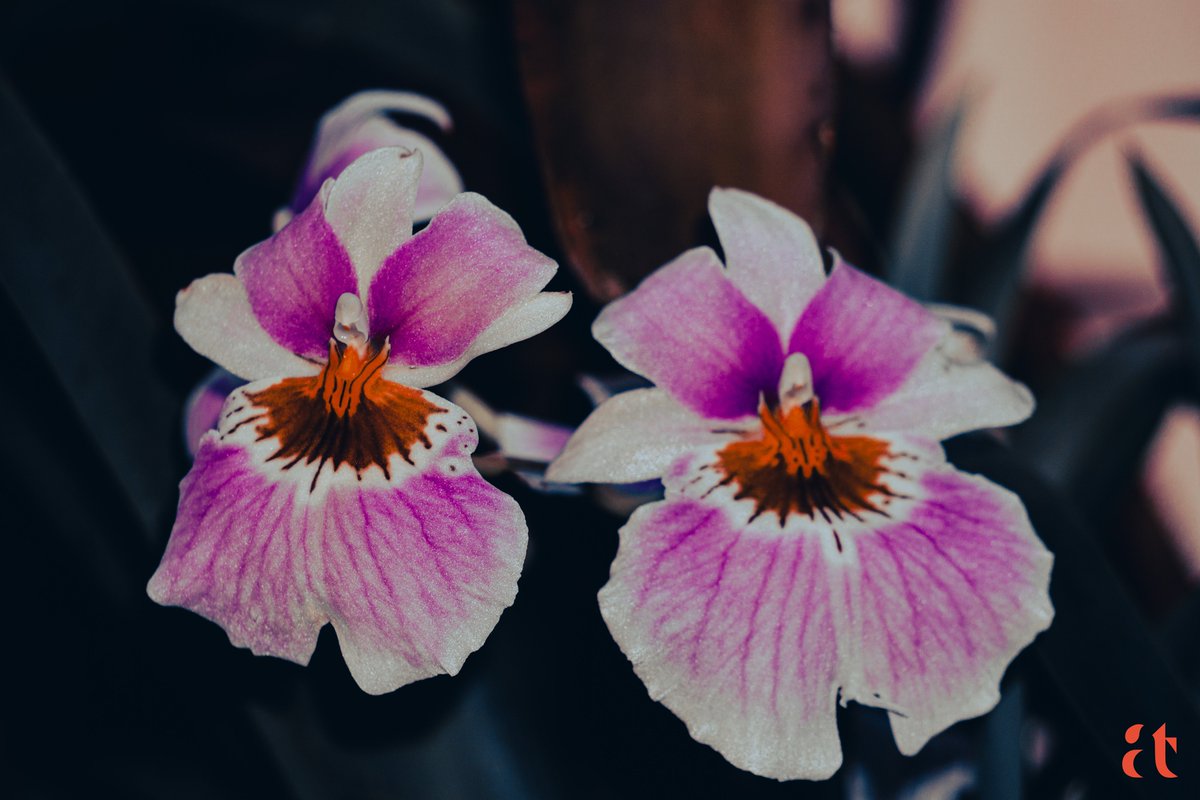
pixel 214 316
pixel 634 436
pixel 294 279
pixel 370 208
pixel 945 396
pixel 527 318
pixel 690 331
pixel 282 526
pixel 770 253
pixel 359 125
pixel 862 338
pixel 449 283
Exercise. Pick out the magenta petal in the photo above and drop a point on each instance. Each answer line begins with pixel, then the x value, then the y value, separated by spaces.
pixel 944 600
pixel 734 632
pixel 237 555
pixel 862 339
pixel 294 280
pixel 446 285
pixel 358 125
pixel 691 332
pixel 413 567
pixel 417 576
pixel 751 630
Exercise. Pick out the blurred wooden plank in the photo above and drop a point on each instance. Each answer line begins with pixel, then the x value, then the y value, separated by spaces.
pixel 639 107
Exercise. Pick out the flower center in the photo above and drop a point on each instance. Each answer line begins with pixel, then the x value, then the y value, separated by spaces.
pixel 349 414
pixel 796 466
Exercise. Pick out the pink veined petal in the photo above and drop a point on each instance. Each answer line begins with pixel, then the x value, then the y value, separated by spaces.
pixel 294 279
pixel 691 332
pixel 370 208
pixel 862 338
pixel 413 570
pixel 449 283
pixel 359 125
pixel 943 397
pixel 417 602
pixel 732 631
pixel 943 601
pixel 751 631
pixel 635 436
pixel 770 253
pixel 214 317
pixel 526 319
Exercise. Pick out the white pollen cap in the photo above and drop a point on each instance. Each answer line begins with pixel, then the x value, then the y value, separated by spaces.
pixel 349 309
pixel 795 383
pixel 347 315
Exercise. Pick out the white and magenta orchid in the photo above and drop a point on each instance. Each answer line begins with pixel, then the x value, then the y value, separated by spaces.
pixel 813 546
pixel 335 489
pixel 348 131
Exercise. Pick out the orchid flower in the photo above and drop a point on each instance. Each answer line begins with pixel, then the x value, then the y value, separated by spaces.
pixel 349 130
pixel 335 489
pixel 360 124
pixel 813 545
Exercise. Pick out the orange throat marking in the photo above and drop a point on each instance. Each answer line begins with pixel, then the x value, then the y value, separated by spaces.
pixel 798 467
pixel 349 414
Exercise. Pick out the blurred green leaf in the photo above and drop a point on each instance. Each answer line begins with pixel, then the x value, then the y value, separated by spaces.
pixel 993 280
pixel 74 293
pixel 1099 651
pixel 992 285
pixel 1091 427
pixel 921 246
pixel 1178 248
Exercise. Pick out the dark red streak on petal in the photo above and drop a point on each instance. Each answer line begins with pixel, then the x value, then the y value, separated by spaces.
pixel 349 414
pixel 797 467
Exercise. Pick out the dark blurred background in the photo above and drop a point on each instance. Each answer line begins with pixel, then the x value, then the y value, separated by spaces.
pixel 936 143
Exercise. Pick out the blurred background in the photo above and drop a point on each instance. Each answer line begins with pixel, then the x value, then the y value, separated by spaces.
pixel 1037 161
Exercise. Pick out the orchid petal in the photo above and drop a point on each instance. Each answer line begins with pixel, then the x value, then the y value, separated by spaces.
pixel 452 281
pixel 294 279
pixel 862 338
pixel 944 599
pixel 413 565
pixel 528 318
pixel 732 632
pixel 215 318
pixel 370 208
pixel 751 629
pixel 359 125
pixel 203 407
pixel 770 253
pixel 517 437
pixel 634 437
pixel 945 396
pixel 690 330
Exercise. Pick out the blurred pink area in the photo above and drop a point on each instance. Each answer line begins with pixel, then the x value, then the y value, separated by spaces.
pixel 1033 70
pixel 867 31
